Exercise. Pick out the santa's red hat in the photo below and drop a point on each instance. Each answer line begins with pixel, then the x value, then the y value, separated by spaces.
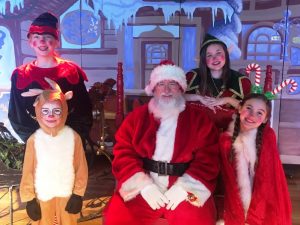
pixel 46 23
pixel 166 70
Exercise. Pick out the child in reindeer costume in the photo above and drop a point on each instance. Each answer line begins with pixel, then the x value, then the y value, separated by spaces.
pixel 55 171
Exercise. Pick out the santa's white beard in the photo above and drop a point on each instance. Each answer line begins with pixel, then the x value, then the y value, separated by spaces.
pixel 169 103
pixel 163 107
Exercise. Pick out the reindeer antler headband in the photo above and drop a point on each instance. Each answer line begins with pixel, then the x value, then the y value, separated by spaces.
pixel 38 92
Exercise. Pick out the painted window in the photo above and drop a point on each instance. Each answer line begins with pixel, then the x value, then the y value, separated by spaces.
pixel 155 53
pixel 295 56
pixel 264 43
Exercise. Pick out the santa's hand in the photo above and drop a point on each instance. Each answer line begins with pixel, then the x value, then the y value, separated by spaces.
pixel 176 194
pixel 153 196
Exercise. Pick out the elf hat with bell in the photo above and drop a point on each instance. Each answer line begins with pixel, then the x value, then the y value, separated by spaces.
pixel 46 23
pixel 166 70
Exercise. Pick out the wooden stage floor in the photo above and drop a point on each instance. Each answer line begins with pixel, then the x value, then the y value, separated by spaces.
pixel 100 187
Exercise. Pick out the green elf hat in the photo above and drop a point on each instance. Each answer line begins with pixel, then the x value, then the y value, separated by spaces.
pixel 209 39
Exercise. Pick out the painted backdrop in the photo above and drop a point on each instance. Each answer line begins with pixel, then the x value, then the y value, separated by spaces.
pixel 97 34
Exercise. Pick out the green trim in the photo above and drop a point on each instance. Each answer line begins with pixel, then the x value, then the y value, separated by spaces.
pixel 212 40
pixel 240 87
pixel 191 86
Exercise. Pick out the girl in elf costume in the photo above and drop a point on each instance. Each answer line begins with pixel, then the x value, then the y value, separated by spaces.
pixel 54 176
pixel 214 84
pixel 256 191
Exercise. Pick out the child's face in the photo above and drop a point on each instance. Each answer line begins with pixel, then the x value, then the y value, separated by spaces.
pixel 252 114
pixel 215 57
pixel 51 113
pixel 43 44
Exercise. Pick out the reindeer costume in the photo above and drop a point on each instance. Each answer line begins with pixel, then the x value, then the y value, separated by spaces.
pixel 55 171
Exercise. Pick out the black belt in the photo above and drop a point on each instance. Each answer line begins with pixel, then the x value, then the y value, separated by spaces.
pixel 164 168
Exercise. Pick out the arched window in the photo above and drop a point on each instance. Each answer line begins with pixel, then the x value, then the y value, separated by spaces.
pixel 264 43
pixel 156 52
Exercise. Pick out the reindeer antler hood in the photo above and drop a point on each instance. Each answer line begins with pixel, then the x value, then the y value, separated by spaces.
pixel 54 94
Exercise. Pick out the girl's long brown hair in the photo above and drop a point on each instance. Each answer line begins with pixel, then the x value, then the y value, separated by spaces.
pixel 205 72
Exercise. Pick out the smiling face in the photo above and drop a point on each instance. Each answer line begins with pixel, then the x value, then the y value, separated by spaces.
pixel 253 113
pixel 43 44
pixel 51 113
pixel 215 57
pixel 167 91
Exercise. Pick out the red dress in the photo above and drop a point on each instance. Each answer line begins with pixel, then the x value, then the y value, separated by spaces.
pixel 270 201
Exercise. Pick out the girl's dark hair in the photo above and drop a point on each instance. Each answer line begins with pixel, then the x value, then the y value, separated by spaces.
pixel 260 129
pixel 205 72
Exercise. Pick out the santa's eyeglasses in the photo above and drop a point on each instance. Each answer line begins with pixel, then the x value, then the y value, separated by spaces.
pixel 170 84
pixel 53 112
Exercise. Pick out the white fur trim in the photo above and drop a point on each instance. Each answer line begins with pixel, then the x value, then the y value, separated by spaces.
pixel 245 154
pixel 166 72
pixel 191 185
pixel 54 175
pixel 165 139
pixel 220 222
pixel 133 186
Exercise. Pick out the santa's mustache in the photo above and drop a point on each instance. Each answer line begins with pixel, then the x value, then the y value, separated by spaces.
pixel 169 100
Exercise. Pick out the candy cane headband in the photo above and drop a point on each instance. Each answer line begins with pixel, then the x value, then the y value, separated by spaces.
pixel 284 83
pixel 258 89
pixel 254 67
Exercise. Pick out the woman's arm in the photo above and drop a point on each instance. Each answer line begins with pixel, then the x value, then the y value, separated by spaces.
pixel 205 100
pixel 194 97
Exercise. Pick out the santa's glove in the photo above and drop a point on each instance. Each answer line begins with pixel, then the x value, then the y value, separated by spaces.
pixel 176 194
pixel 74 204
pixel 153 196
pixel 33 210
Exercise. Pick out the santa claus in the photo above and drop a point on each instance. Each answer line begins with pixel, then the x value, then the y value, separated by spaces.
pixel 165 158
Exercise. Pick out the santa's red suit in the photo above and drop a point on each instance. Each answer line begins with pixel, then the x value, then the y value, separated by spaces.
pixel 185 136
pixel 256 195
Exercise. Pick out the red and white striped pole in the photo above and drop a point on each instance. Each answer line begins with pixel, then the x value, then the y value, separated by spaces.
pixel 120 95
